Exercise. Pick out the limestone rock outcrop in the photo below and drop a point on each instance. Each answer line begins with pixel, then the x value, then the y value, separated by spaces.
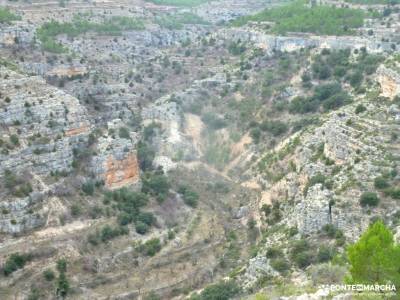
pixel 43 124
pixel 116 161
pixel 40 128
pixel 389 81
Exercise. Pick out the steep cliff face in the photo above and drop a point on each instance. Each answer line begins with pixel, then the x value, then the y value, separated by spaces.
pixel 41 123
pixel 123 172
pixel 40 127
pixel 389 81
pixel 270 43
pixel 116 160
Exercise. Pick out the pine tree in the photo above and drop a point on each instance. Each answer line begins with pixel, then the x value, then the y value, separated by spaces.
pixel 375 258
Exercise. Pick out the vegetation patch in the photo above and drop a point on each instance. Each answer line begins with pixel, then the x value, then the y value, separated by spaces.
pixel 106 234
pixel 177 21
pixel 150 247
pixel 14 262
pixel 330 96
pixel 369 199
pixel 113 26
pixel 156 184
pixel 297 17
pixel 190 197
pixel 6 16
pixel 218 291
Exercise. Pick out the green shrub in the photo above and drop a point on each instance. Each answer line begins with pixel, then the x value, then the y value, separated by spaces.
pixel 62 285
pixel 369 199
pixel 127 200
pixel 151 247
pixel 325 254
pixel 76 210
pixel 321 71
pixel 14 139
pixel 301 253
pixel 280 264
pixel 213 121
pixel 360 109
pixel 62 265
pixel 393 192
pixel 293 231
pixel 152 296
pixel 22 190
pixel 108 233
pixel 125 218
pixel 274 252
pixel 88 188
pixel 141 227
pixel 276 128
pixel 300 246
pixel 302 105
pixel 6 16
pixel 324 91
pixel 219 291
pixel 146 217
pixel 303 259
pixel 336 101
pixel 330 96
pixel 381 183
pixel 356 78
pixel 156 184
pixel 255 134
pixel 14 262
pixel 340 238
pixel 190 197
pixel 330 230
pixel 145 155
pixel 236 48
pixel 35 294
pixel 49 275
pixel 123 133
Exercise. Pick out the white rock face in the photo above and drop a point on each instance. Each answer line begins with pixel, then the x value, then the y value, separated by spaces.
pixel 164 162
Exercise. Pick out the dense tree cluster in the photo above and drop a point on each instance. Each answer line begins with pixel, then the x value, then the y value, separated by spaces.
pixel 177 21
pixel 113 26
pixel 321 19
